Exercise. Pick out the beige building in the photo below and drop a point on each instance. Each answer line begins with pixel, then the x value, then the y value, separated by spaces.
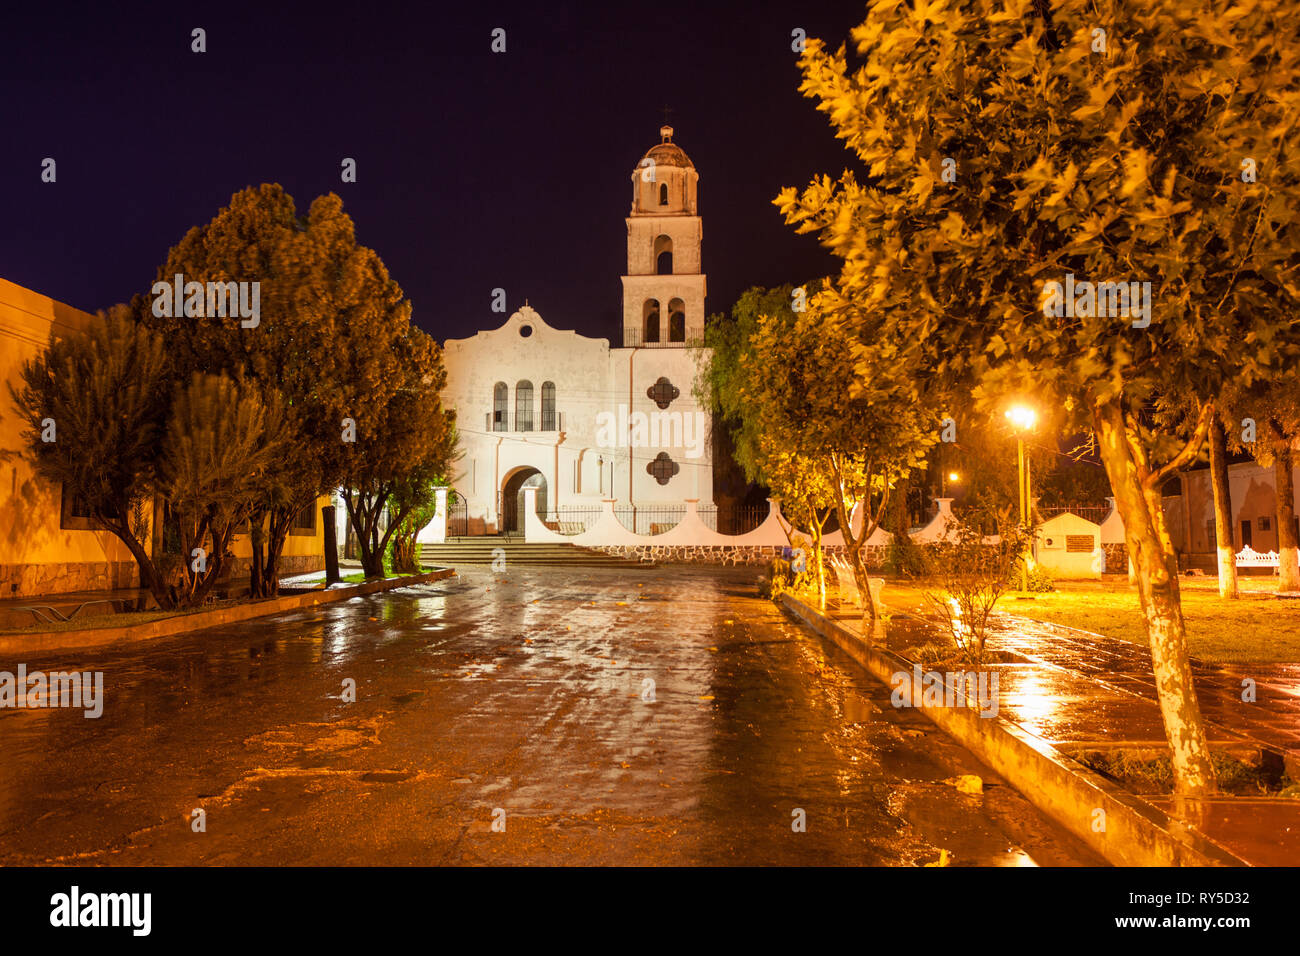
pixel 46 545
pixel 1253 490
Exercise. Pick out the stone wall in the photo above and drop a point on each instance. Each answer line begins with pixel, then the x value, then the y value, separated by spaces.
pixel 727 554
pixel 37 580
pixel 236 570
pixel 49 580
pixel 1116 558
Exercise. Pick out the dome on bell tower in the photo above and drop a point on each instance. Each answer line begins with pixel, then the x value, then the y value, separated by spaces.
pixel 663 182
pixel 667 153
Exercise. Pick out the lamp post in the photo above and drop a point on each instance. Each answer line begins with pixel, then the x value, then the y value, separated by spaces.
pixel 1022 420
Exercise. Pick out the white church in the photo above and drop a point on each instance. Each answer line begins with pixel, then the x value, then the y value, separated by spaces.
pixel 579 419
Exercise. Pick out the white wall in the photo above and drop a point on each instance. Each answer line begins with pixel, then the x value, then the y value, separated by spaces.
pixel 590 378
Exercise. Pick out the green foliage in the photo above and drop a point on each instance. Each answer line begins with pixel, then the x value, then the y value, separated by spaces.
pixel 126 433
pixel 1008 145
pixel 1040 579
pixel 972 572
pixel 223 438
pixel 905 558
pixel 335 339
pixel 108 393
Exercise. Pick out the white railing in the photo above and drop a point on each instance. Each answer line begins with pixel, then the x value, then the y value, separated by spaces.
pixel 1249 558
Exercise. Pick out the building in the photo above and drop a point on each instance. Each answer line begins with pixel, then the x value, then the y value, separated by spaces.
pixel 582 420
pixel 1253 495
pixel 47 544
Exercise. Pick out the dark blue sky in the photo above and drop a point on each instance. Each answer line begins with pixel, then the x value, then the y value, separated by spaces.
pixel 475 170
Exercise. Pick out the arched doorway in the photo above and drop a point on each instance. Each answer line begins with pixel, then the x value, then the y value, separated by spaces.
pixel 512 498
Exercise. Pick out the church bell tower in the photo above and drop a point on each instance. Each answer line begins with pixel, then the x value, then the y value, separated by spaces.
pixel 663 290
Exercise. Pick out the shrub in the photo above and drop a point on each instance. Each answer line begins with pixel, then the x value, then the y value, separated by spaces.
pixel 973 572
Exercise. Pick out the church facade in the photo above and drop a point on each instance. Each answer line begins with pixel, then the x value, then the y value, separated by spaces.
pixel 583 420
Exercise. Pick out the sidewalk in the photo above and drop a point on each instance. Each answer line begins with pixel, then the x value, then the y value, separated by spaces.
pixel 78 605
pixel 1078 690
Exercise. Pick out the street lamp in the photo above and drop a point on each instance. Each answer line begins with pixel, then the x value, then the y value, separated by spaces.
pixel 1022 419
pixel 949 478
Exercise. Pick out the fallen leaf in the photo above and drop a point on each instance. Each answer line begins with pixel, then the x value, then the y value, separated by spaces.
pixel 967 783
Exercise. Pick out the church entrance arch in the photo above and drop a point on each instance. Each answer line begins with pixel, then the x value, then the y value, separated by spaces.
pixel 512 498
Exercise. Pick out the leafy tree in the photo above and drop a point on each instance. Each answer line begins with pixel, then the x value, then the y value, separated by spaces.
pixel 331 321
pixel 801 393
pixel 223 438
pixel 108 393
pixel 1009 145
pixel 416 500
pixel 404 437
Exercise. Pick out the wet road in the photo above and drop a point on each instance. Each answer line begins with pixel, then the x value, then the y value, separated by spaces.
pixel 519 698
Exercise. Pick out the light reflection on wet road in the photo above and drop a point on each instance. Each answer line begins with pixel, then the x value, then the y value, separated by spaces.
pixel 522 692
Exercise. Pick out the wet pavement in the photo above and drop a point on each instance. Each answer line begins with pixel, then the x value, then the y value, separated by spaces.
pixel 681 721
pixel 1077 685
pixel 1081 691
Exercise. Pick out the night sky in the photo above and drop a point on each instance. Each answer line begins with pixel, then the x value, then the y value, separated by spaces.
pixel 475 170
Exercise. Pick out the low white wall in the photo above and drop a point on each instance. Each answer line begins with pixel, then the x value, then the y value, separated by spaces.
pixel 691 530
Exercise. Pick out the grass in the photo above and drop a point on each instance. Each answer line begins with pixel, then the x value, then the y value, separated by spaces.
pixel 1148 775
pixel 1258 627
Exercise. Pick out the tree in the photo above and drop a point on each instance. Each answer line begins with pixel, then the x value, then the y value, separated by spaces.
pixel 1221 490
pixel 1011 148
pixel 223 439
pixel 805 486
pixel 414 498
pixel 801 393
pixel 330 321
pixel 973 573
pixel 107 392
pixel 403 437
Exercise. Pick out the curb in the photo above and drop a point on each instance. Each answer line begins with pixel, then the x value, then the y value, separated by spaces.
pixel 1136 833
pixel 184 623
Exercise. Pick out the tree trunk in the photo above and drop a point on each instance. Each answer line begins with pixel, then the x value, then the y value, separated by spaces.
pixel 1288 567
pixel 150 577
pixel 1222 510
pixel 365 518
pixel 815 534
pixel 256 566
pixel 1137 498
pixel 277 533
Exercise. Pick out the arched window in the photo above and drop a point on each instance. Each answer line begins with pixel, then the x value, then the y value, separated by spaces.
pixel 664 256
pixel 663 194
pixel 676 321
pixel 548 407
pixel 524 407
pixel 650 321
pixel 500 407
